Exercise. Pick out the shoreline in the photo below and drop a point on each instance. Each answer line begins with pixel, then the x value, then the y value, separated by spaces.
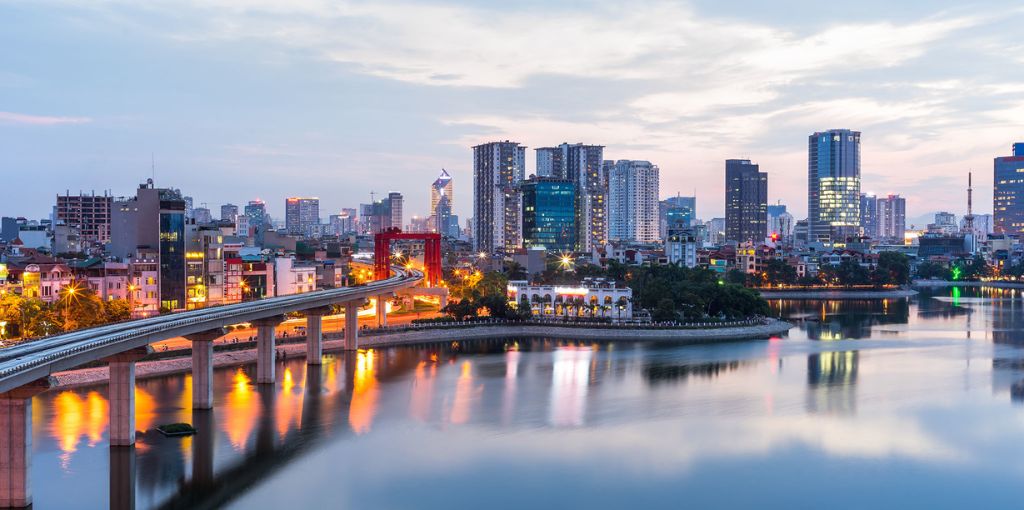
pixel 838 294
pixel 230 358
pixel 940 284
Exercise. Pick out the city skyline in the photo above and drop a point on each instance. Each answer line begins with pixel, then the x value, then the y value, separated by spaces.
pixel 925 122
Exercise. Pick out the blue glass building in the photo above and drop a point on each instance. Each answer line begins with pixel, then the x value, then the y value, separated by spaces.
pixel 833 185
pixel 1008 192
pixel 549 214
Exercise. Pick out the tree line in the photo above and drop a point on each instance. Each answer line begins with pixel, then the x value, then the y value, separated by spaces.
pixel 32 317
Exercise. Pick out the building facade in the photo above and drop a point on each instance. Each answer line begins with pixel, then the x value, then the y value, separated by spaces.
pixel 498 170
pixel 89 214
pixel 441 187
pixel 549 214
pixel 302 216
pixel 633 207
pixel 229 212
pixel 746 201
pixel 892 218
pixel 591 298
pixel 681 246
pixel 833 185
pixel 1008 192
pixel 869 226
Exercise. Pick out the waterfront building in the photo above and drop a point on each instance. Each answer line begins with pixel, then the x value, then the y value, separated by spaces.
pixel 1008 192
pixel 593 297
pixel 89 214
pixel 302 216
pixel 498 170
pixel 549 214
pixel 892 218
pixel 833 185
pixel 151 226
pixel 632 201
pixel 746 201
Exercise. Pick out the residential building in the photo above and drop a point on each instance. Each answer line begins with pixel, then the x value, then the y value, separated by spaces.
pixel 549 214
pixel 229 212
pixel 396 205
pixel 293 277
pixel 259 220
pixel 681 246
pixel 945 224
pixel 833 185
pixel 746 201
pixel 633 205
pixel 892 218
pixel 584 166
pixel 88 214
pixel 204 266
pixel 302 216
pixel 153 223
pixel 715 231
pixel 202 215
pixel 498 170
pixel 869 221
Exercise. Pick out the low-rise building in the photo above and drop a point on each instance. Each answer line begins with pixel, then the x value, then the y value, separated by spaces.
pixel 593 297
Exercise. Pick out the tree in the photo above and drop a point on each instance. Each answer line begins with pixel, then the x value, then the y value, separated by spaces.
pixel 117 310
pixel 665 311
pixel 735 276
pixel 778 272
pixel 893 269
pixel 461 309
pixel 930 270
pixel 515 271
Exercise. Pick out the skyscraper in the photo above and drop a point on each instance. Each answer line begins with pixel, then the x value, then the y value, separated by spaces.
pixel 892 218
pixel 301 216
pixel 442 187
pixel 833 185
pixel 780 223
pixel 584 166
pixel 869 215
pixel 1008 192
pixel 632 201
pixel 549 214
pixel 396 202
pixel 498 169
pixel 746 201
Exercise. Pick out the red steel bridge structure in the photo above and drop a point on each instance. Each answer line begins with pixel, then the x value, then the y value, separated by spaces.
pixel 431 253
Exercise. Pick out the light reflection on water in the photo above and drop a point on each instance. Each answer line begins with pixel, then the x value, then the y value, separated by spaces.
pixel 912 399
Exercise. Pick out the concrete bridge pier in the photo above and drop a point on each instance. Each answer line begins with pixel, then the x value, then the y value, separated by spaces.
pixel 16 443
pixel 121 394
pixel 351 325
pixel 202 367
pixel 265 348
pixel 382 310
pixel 315 334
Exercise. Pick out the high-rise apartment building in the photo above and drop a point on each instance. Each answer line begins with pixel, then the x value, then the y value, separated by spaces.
pixel 746 201
pixel 259 221
pixel 396 204
pixel 632 201
pixel 780 223
pixel 1008 192
pixel 869 226
pixel 151 227
pixel 549 214
pixel 498 170
pixel 301 216
pixel 833 185
pixel 677 211
pixel 584 166
pixel 89 214
pixel 892 218
pixel 381 215
pixel 229 212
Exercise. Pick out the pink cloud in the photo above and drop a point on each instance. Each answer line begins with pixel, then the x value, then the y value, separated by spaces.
pixel 40 120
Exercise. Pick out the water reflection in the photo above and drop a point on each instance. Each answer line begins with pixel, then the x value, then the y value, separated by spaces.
pixel 588 425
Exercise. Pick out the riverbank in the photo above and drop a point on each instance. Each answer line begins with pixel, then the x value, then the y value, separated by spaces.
pixel 938 284
pixel 838 294
pixel 229 358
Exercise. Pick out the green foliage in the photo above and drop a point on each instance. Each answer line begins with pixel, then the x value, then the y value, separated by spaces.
pixel 929 270
pixel 777 272
pixel 693 293
pixel 30 317
pixel 893 268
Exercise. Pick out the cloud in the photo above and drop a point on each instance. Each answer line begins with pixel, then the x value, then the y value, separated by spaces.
pixel 40 120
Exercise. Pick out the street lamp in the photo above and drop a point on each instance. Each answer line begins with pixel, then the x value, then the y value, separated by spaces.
pixel 3 329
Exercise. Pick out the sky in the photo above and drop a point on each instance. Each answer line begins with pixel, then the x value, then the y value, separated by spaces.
pixel 337 99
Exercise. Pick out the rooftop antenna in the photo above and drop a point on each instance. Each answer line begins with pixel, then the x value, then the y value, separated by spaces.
pixel 152 167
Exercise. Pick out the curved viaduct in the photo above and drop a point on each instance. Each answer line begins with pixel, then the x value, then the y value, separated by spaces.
pixel 25 369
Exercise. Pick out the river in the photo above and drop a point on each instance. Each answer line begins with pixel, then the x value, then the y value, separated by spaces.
pixel 880 403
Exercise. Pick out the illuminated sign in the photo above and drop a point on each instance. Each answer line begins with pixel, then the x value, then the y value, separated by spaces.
pixel 573 291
